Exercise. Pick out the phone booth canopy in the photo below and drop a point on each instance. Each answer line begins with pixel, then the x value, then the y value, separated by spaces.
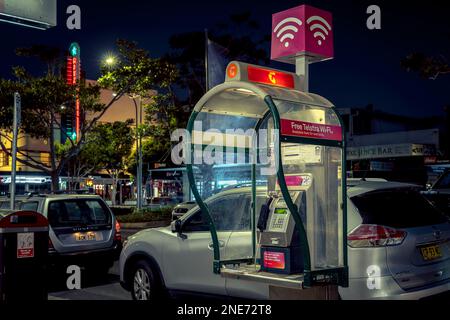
pixel 266 165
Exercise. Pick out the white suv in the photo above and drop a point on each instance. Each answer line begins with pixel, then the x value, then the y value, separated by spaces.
pixel 390 225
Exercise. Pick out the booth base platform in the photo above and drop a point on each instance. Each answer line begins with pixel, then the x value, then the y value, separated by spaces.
pixel 282 287
pixel 326 292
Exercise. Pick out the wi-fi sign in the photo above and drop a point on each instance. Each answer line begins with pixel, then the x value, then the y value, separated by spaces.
pixel 300 31
pixel 320 28
pixel 286 29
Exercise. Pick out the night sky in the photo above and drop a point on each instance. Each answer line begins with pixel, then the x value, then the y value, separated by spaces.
pixel 366 68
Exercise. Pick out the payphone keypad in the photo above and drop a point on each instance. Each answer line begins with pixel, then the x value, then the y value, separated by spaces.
pixel 279 219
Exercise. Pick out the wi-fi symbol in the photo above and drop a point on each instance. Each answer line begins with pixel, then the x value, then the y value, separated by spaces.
pixel 320 24
pixel 286 30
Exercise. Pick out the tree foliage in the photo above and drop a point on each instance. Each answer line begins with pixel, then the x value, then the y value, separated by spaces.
pixel 153 88
pixel 426 67
pixel 44 100
pixel 47 97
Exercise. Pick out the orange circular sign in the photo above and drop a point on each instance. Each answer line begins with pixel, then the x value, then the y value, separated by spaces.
pixel 232 71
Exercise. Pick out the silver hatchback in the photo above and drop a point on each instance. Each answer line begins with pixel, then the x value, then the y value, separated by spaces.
pixel 83 230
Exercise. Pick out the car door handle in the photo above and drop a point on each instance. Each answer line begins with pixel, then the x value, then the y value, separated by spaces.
pixel 221 245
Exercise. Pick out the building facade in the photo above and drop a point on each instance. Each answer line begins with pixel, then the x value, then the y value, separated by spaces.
pixel 391 146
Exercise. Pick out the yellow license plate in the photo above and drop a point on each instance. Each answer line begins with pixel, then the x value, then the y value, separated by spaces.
pixel 86 237
pixel 431 252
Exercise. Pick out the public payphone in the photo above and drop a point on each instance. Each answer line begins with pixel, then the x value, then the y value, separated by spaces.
pixel 287 147
pixel 277 236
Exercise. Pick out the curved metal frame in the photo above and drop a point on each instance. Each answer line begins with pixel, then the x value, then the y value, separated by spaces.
pixel 272 110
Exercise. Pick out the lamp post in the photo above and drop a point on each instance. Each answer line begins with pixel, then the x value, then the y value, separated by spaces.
pixel 16 124
pixel 109 61
pixel 138 108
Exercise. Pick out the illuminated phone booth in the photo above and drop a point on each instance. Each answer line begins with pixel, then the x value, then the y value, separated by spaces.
pixel 266 164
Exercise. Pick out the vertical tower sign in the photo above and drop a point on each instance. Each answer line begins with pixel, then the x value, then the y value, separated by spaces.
pixel 73 76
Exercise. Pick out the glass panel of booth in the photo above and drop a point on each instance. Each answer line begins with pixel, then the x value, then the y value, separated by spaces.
pixel 313 175
pixel 307 113
pixel 222 140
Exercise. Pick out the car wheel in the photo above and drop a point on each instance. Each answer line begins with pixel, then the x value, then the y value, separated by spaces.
pixel 144 285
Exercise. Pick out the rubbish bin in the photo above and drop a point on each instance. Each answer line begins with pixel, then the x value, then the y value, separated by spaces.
pixel 23 256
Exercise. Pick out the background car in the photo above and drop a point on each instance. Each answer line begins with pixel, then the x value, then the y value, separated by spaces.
pixel 162 202
pixel 180 209
pixel 83 230
pixel 398 247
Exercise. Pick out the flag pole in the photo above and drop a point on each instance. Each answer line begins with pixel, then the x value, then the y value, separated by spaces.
pixel 206 62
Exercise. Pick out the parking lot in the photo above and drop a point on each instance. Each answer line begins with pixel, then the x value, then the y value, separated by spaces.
pixel 106 288
pixel 93 288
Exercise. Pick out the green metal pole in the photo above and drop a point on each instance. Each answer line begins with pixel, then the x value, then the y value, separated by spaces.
pixel 344 281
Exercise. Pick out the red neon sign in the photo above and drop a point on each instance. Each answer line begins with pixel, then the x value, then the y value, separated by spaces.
pixel 70 75
pixel 73 75
pixel 271 77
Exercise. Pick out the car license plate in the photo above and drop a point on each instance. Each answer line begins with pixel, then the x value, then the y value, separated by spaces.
pixel 431 252
pixel 86 237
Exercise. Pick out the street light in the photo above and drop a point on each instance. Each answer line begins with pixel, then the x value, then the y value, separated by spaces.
pixel 138 108
pixel 110 60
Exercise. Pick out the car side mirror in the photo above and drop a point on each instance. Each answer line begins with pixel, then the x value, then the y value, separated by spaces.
pixel 177 226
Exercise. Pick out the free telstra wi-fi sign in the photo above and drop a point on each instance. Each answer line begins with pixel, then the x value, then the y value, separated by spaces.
pixel 302 31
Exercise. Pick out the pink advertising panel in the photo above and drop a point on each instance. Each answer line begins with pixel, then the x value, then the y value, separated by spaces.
pixel 302 30
pixel 310 130
pixel 274 260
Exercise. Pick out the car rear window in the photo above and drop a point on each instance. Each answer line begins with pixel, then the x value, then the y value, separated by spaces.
pixel 71 213
pixel 7 204
pixel 29 206
pixel 397 208
pixel 181 210
pixel 4 205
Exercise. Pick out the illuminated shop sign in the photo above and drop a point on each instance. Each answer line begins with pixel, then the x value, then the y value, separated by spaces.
pixel 27 180
pixel 390 150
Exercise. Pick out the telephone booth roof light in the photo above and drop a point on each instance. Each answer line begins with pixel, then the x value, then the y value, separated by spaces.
pixel 239 71
pixel 238 86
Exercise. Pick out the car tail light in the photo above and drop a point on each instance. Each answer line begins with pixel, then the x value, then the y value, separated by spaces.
pixel 370 235
pixel 117 234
